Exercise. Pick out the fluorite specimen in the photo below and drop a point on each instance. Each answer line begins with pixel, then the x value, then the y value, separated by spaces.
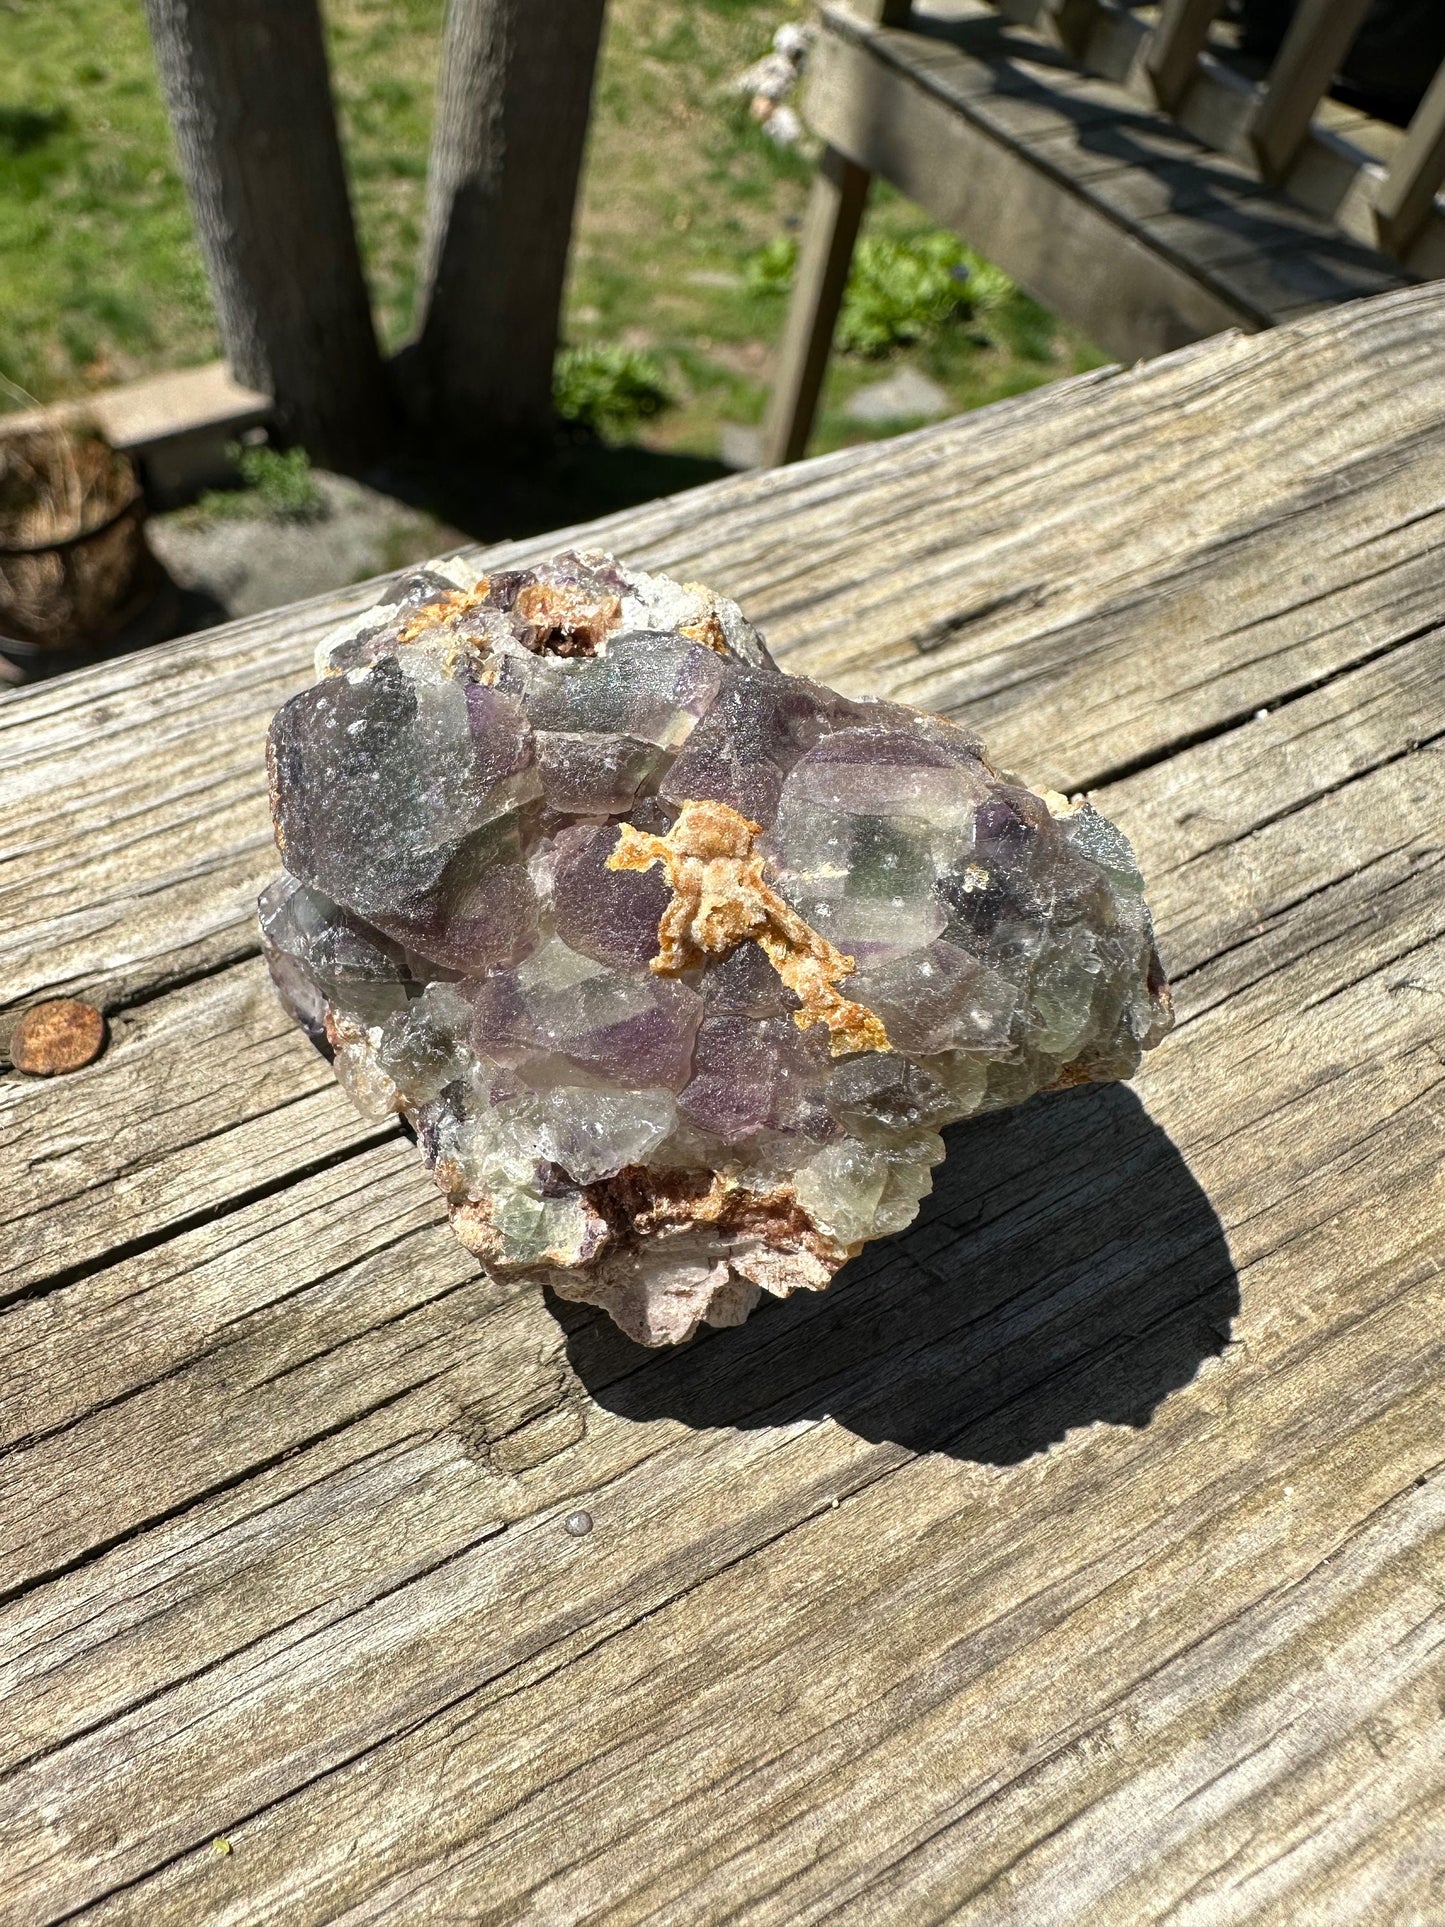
pixel 675 964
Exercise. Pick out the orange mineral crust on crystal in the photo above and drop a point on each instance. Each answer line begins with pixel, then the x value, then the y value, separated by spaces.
pixel 720 899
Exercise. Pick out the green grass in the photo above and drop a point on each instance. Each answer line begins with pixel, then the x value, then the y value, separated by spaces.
pixel 608 388
pixel 910 289
pixel 99 274
pixel 274 484
pixel 100 278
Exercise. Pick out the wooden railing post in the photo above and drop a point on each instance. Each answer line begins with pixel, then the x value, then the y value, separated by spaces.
pixel 1318 39
pixel 830 229
pixel 249 95
pixel 512 105
pixel 1072 22
pixel 825 254
pixel 1171 55
pixel 1408 191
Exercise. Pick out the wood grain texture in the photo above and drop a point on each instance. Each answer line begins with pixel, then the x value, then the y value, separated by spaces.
pixel 1078 1559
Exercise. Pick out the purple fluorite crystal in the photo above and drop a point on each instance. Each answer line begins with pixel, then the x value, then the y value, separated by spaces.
pixel 676 964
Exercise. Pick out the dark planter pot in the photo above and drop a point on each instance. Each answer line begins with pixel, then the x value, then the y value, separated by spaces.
pixel 76 571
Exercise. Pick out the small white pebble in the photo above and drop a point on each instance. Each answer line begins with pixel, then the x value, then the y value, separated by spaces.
pixel 579 1524
pixel 1260 714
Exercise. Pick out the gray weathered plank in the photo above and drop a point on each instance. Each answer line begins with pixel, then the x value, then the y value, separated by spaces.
pixel 1247 1155
pixel 1280 1407
pixel 200 1097
pixel 953 563
pixel 282 1479
pixel 171 1329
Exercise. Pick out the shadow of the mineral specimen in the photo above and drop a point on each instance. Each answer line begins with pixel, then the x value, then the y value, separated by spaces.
pixel 1067 1269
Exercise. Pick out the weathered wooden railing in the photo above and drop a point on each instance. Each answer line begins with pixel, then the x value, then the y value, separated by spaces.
pixel 1137 182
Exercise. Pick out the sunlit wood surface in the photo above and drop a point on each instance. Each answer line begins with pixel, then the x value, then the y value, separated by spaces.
pixel 1077 1561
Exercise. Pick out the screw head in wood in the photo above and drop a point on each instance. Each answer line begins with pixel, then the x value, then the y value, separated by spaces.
pixel 60 1035
pixel 579 1524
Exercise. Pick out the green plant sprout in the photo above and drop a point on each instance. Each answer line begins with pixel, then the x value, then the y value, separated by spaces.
pixel 899 291
pixel 276 484
pixel 608 388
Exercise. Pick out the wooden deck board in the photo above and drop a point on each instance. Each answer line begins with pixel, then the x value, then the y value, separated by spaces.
pixel 1056 175
pixel 135 836
pixel 1079 1559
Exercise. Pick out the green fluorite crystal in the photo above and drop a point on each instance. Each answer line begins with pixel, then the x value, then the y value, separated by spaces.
pixel 664 1128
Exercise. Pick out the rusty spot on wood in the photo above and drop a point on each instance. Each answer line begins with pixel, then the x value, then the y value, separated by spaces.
pixel 60 1035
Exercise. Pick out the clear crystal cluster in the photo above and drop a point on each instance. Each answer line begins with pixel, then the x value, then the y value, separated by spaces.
pixel 675 964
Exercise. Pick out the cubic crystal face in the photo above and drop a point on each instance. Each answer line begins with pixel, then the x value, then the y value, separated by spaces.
pixel 676 965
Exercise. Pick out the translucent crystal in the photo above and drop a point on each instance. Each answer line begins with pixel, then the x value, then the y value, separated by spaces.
pixel 675 964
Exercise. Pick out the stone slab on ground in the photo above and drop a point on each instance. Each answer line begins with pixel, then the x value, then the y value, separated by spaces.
pixel 906 396
pixel 178 424
pixel 739 446
pixel 248 564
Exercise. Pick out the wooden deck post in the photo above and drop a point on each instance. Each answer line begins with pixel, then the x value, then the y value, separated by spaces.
pixel 830 230
pixel 1407 193
pixel 249 95
pixel 1320 35
pixel 512 105
pixel 1171 55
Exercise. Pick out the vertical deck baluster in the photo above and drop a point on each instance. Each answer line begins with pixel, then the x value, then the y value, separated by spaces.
pixel 1407 192
pixel 1319 37
pixel 1172 53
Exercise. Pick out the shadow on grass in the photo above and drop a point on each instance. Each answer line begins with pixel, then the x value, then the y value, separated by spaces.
pixel 1067 1270
pixel 24 128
